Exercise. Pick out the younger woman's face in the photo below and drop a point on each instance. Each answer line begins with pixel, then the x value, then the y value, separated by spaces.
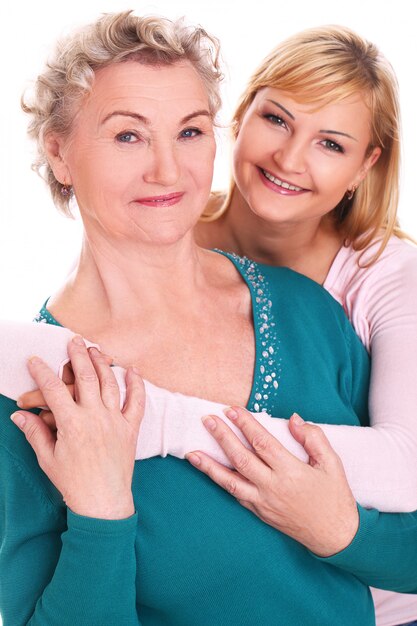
pixel 294 162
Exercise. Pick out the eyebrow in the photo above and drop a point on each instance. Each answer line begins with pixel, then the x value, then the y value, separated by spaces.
pixel 282 108
pixel 146 121
pixel 328 132
pixel 337 132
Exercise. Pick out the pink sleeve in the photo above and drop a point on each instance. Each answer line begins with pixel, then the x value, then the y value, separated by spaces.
pixel 381 302
pixel 18 342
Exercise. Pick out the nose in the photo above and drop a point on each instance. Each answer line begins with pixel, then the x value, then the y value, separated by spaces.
pixel 291 156
pixel 162 167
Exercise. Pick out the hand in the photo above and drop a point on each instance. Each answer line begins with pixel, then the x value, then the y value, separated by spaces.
pixel 90 458
pixel 312 503
pixel 35 400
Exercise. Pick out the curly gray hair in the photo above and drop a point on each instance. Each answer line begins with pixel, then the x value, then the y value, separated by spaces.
pixel 113 38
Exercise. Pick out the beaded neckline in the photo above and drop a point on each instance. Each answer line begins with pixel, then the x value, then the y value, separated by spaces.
pixel 267 374
pixel 45 317
pixel 268 362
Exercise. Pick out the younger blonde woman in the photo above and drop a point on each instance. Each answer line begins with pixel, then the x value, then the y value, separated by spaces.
pixel 315 191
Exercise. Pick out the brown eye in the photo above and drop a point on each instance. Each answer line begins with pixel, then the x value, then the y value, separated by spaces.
pixel 274 119
pixel 332 146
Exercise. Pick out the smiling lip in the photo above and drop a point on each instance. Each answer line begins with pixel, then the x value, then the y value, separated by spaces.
pixel 280 185
pixel 161 201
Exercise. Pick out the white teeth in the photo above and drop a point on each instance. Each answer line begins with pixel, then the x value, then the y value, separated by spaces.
pixel 281 183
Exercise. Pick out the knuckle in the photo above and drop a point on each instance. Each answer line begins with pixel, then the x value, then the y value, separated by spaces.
pixel 231 486
pixel 260 442
pixel 240 460
pixel 31 430
pixel 85 376
pixel 314 432
pixel 52 384
pixel 110 383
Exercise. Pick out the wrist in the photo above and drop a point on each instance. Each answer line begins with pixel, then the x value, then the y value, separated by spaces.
pixel 341 536
pixel 108 510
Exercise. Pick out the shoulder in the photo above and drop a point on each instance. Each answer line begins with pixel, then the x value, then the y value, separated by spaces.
pixel 290 286
pixel 378 293
pixel 397 260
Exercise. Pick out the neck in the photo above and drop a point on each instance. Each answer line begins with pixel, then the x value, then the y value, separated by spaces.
pixel 115 282
pixel 308 247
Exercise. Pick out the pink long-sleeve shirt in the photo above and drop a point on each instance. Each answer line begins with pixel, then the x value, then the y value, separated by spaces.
pixel 381 303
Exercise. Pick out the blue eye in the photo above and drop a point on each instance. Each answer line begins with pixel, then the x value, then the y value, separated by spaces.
pixel 331 145
pixel 127 137
pixel 189 133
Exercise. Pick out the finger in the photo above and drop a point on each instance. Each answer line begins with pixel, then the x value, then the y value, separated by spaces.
pixel 49 419
pixel 109 359
pixel 38 434
pixel 68 374
pixel 240 457
pixel 314 442
pixel 266 446
pixel 31 400
pixel 87 387
pixel 227 479
pixel 108 384
pixel 134 407
pixel 54 391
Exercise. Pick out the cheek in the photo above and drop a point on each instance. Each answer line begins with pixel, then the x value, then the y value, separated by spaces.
pixel 202 166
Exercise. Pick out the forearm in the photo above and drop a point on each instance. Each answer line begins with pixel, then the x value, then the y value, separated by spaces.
pixel 383 553
pixel 378 461
pixel 172 425
pixel 59 569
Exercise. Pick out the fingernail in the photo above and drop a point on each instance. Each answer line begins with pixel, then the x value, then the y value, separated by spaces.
pixel 20 403
pixel 93 351
pixel 34 359
pixel 194 459
pixel 209 422
pixel 78 340
pixel 297 420
pixel 135 370
pixel 18 419
pixel 231 413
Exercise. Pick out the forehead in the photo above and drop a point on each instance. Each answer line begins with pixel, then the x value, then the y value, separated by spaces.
pixel 353 108
pixel 177 89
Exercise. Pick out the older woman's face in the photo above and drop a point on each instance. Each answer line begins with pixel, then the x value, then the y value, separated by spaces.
pixel 140 155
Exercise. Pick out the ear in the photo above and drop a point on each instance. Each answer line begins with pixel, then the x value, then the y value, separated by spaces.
pixel 54 150
pixel 368 163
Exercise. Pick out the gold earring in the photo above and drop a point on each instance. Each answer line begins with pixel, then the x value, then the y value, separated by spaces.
pixel 351 192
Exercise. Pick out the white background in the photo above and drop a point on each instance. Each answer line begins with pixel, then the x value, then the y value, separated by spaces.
pixel 37 245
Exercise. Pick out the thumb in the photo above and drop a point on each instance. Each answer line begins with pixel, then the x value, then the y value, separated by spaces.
pixel 37 433
pixel 313 440
pixel 134 407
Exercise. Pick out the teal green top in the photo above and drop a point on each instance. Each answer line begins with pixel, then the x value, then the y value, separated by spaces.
pixel 191 555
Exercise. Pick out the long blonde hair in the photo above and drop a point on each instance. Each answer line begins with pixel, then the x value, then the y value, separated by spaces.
pixel 327 65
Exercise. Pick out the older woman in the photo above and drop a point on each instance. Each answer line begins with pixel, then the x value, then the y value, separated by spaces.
pixel 125 116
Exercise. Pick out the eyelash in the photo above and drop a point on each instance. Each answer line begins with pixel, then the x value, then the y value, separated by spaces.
pixel 328 144
pixel 121 137
pixel 127 133
pixel 332 146
pixel 275 119
pixel 196 133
